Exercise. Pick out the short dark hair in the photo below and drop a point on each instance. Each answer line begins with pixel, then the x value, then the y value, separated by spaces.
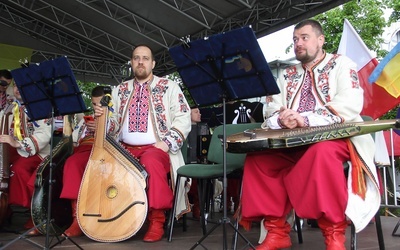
pixel 314 24
pixel 6 74
pixel 98 91
pixel 147 46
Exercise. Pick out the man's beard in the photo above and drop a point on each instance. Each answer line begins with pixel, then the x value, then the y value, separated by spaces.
pixel 141 74
pixel 305 58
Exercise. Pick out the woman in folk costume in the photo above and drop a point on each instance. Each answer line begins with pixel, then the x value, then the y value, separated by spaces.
pixel 323 89
pixel 151 119
pixel 31 139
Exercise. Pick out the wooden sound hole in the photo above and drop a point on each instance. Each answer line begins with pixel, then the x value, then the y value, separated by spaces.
pixel 112 192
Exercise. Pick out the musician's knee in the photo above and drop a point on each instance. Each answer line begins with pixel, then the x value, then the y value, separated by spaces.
pixel 155 161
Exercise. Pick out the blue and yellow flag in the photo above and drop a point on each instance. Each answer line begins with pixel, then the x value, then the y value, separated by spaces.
pixel 387 73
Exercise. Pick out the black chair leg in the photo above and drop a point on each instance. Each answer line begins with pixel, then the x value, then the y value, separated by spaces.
pixel 379 233
pixel 353 238
pixel 378 225
pixel 202 189
pixel 236 224
pixel 299 230
pixel 184 223
pixel 208 196
pixel 171 218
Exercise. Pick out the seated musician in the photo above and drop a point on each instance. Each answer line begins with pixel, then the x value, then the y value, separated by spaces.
pixel 31 140
pixel 151 118
pixel 322 89
pixel 75 165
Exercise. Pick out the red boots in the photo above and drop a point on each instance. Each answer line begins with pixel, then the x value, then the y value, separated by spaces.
pixel 334 234
pixel 74 230
pixel 278 234
pixel 29 225
pixel 155 232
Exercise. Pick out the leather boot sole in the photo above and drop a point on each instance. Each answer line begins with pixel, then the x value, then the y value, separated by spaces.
pixel 152 237
pixel 275 245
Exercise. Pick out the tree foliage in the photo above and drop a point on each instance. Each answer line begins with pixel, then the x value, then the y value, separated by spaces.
pixel 367 18
pixel 177 78
pixel 86 89
pixel 394 5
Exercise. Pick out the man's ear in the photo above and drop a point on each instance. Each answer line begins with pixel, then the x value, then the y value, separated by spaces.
pixel 321 38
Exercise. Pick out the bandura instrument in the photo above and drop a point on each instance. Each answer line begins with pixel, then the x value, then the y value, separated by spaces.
pixel 261 139
pixel 60 208
pixel 112 201
pixel 4 168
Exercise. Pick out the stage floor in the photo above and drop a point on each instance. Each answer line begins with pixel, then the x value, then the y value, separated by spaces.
pixel 313 239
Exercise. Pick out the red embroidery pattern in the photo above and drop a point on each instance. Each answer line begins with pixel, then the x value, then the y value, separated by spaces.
pixel 158 93
pixel 354 79
pixel 323 85
pixel 183 107
pixel 293 79
pixel 307 99
pixel 323 79
pixel 139 109
pixel 123 95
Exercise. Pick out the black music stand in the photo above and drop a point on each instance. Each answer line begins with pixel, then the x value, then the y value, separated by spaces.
pixel 221 68
pixel 49 89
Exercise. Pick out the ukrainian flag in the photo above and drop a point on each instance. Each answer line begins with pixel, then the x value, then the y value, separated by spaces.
pixel 387 73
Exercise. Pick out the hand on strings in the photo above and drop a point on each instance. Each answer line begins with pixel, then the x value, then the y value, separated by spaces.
pixel 290 118
pixel 10 140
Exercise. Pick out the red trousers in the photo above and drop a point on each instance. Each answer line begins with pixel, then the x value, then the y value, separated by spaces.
pixel 74 168
pixel 22 179
pixel 309 179
pixel 157 164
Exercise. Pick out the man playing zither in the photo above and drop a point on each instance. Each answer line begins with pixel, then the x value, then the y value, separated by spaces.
pixel 323 89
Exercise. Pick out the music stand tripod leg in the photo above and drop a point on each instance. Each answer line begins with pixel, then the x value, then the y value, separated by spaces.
pixel 225 220
pixel 23 237
pixel 52 225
